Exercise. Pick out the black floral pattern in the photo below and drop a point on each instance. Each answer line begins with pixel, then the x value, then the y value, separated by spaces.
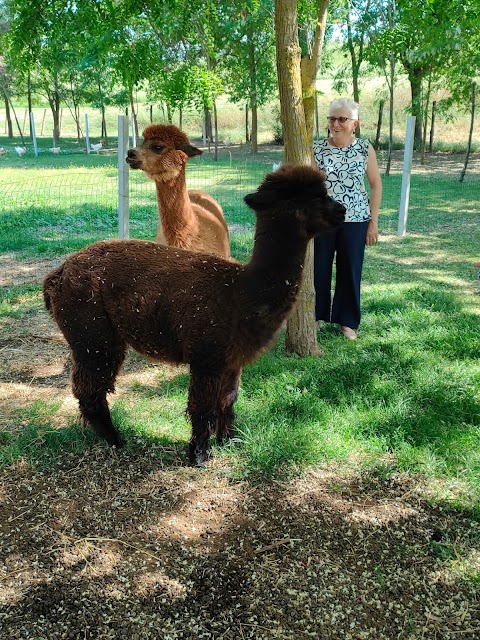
pixel 346 168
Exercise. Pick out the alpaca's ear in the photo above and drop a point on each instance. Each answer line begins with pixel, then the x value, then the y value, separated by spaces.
pixel 188 149
pixel 268 194
pixel 260 200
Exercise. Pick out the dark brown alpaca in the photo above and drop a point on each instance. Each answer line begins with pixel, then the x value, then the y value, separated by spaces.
pixel 184 307
pixel 187 219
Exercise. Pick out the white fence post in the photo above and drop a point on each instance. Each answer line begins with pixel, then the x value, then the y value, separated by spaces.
pixel 123 187
pixel 87 137
pixel 34 135
pixel 407 170
pixel 134 136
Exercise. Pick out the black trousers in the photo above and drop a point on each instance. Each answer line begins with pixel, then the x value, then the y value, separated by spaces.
pixel 348 245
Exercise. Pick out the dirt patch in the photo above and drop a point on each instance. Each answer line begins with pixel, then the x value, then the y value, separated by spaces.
pixel 35 365
pixel 117 545
pixel 19 272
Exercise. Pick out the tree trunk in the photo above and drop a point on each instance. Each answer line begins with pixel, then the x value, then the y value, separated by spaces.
pixel 355 63
pixel 415 76
pixel 390 77
pixel 30 102
pixel 12 108
pixel 104 126
pixel 134 114
pixel 379 124
pixel 208 124
pixel 53 96
pixel 74 110
pixel 253 94
pixel 56 120
pixel 77 122
pixel 215 125
pixel 432 126
pixel 308 68
pixel 470 135
pixel 296 83
pixel 425 120
pixel 247 125
pixel 390 113
pixel 254 135
pixel 8 117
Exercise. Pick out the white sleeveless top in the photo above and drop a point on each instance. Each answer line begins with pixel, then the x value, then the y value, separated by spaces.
pixel 346 168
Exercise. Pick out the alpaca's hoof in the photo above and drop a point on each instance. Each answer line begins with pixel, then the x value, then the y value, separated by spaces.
pixel 198 458
pixel 223 438
pixel 115 441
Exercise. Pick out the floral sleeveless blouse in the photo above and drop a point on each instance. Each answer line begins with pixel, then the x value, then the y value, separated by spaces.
pixel 346 168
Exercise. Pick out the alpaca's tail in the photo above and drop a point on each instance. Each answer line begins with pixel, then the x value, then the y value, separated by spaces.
pixel 50 286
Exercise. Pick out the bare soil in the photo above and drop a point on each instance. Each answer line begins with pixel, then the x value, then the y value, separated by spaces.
pixel 135 545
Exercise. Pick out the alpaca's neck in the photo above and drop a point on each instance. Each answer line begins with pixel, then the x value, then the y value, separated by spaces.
pixel 277 249
pixel 179 223
pixel 277 266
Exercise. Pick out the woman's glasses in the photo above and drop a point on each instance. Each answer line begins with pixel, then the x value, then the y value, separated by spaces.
pixel 341 119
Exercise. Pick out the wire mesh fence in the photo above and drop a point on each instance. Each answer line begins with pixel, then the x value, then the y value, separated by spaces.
pixel 47 214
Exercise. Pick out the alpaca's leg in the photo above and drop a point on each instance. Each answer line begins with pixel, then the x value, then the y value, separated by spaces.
pixel 96 414
pixel 95 366
pixel 202 408
pixel 228 397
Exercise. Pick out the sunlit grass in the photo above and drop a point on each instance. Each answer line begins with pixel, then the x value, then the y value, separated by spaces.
pixel 404 397
pixel 408 390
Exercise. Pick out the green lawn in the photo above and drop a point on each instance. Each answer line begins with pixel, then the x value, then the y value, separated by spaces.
pixel 404 397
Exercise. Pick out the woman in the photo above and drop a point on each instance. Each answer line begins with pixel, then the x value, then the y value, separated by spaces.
pixel 346 160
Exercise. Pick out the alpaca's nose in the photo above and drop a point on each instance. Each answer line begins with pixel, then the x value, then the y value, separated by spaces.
pixel 131 153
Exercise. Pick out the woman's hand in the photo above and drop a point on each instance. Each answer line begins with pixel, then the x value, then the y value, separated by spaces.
pixel 372 233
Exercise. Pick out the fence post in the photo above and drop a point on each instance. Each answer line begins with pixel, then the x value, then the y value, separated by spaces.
pixel 123 187
pixel 87 137
pixel 34 135
pixel 134 135
pixel 407 170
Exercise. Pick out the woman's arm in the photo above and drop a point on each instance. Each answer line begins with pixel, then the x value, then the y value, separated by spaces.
pixel 375 182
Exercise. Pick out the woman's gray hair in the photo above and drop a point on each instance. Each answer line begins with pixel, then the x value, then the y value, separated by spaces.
pixel 345 103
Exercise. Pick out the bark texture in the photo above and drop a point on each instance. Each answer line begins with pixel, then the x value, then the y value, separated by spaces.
pixel 296 83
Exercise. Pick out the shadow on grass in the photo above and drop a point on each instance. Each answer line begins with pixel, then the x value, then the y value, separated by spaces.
pixel 42 442
pixel 408 386
pixel 405 387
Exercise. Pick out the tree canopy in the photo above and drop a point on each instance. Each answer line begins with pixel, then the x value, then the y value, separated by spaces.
pixel 186 53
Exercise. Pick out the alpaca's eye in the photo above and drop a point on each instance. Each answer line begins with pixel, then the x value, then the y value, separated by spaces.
pixel 158 148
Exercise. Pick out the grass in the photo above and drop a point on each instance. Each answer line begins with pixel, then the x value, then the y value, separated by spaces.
pixel 52 205
pixel 403 398
pixel 45 213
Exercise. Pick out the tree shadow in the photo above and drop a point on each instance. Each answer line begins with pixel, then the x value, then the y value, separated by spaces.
pixel 116 546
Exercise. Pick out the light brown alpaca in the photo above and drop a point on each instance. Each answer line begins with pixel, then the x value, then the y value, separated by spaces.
pixel 187 219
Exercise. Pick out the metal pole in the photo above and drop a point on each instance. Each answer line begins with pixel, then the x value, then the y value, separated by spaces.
pixel 134 136
pixel 123 174
pixel 87 139
pixel 407 170
pixel 34 136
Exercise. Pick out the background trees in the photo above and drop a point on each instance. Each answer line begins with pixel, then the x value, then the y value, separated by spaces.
pixel 184 53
